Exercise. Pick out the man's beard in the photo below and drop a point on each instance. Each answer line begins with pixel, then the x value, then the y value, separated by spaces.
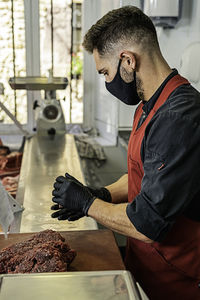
pixel 128 77
pixel 140 90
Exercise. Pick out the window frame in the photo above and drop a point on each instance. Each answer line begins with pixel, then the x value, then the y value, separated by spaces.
pixel 32 49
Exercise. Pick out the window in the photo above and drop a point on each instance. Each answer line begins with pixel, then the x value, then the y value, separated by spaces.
pixel 66 50
pixel 67 55
pixel 15 101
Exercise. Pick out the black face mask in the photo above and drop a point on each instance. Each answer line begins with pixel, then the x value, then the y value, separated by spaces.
pixel 126 92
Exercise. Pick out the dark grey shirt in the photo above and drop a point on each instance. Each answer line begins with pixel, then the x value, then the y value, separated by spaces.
pixel 170 154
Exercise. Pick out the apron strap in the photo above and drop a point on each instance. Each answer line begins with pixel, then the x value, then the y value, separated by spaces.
pixel 171 85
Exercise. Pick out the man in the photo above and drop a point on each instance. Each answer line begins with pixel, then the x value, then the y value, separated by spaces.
pixel 162 187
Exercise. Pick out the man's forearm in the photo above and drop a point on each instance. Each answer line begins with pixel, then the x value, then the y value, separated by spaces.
pixel 119 190
pixel 114 217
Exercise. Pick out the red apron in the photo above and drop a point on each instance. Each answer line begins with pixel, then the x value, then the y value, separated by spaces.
pixel 169 270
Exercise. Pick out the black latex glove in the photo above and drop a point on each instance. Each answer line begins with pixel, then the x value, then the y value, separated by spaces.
pixel 64 214
pixel 72 196
pixel 101 193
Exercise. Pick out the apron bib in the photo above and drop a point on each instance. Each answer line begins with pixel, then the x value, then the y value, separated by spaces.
pixel 169 270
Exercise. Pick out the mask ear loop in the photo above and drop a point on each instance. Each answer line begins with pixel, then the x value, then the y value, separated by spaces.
pixel 119 64
pixel 134 76
pixel 118 69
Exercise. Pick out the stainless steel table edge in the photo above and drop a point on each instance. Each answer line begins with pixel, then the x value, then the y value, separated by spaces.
pixel 131 284
pixel 37 152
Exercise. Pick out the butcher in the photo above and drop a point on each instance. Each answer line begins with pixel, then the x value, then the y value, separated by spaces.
pixel 157 203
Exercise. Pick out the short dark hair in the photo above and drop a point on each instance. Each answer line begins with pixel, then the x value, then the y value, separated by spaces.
pixel 125 24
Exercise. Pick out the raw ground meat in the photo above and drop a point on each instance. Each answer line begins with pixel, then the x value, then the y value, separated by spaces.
pixel 45 251
pixel 10 184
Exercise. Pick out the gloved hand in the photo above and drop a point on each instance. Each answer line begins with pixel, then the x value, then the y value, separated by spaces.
pixel 72 196
pixel 64 214
pixel 101 193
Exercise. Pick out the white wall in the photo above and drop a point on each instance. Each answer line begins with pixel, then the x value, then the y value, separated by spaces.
pixel 187 31
pixel 106 108
pixel 102 110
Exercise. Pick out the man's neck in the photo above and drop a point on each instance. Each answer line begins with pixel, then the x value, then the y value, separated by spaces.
pixel 153 73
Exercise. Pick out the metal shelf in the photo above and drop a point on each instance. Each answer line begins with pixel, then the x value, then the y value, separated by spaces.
pixel 38 83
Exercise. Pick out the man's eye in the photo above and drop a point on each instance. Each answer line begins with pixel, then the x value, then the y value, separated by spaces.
pixel 104 73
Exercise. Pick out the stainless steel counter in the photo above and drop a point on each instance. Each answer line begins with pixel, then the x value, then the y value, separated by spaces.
pixel 100 285
pixel 43 160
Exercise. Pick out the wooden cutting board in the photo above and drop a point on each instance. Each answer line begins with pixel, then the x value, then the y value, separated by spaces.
pixel 96 249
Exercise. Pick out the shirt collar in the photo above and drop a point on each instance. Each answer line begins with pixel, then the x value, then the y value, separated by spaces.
pixel 148 105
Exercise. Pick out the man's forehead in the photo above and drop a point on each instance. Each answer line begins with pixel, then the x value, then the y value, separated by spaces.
pixel 96 55
pixel 100 62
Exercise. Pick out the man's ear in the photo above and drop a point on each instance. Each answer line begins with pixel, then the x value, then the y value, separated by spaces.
pixel 128 60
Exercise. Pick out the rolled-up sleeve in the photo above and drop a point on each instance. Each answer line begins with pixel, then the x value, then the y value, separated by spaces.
pixel 171 164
